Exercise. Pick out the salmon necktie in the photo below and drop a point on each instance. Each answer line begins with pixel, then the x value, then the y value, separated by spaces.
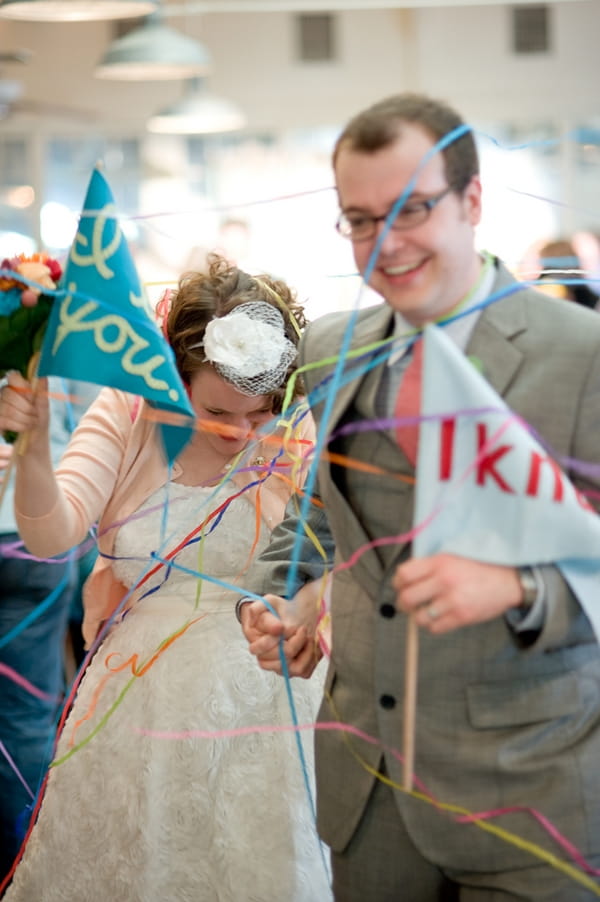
pixel 408 404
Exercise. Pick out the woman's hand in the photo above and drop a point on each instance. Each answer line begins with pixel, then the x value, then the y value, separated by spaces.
pixel 6 451
pixel 23 408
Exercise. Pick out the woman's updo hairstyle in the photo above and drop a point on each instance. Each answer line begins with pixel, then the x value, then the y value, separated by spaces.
pixel 202 296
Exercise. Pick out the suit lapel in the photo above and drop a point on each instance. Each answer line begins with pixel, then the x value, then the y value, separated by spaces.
pixel 492 340
pixel 493 335
pixel 375 329
pixel 365 334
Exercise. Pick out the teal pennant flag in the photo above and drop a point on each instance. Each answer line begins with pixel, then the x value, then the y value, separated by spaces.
pixel 100 328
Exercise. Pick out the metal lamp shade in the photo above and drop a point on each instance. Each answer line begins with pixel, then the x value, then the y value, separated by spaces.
pixel 153 51
pixel 74 10
pixel 198 113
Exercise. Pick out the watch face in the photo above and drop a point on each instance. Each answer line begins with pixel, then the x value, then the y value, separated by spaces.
pixel 528 586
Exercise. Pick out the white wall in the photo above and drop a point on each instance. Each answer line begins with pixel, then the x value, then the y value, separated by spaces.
pixel 460 53
pixel 465 55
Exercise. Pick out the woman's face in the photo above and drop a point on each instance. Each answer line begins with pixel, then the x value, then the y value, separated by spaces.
pixel 230 416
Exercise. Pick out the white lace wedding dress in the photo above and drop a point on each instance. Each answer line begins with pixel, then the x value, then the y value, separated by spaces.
pixel 140 805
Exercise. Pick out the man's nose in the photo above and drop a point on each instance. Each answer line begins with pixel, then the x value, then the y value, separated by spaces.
pixel 389 239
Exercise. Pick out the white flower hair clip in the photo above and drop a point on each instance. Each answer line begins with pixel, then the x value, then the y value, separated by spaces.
pixel 249 348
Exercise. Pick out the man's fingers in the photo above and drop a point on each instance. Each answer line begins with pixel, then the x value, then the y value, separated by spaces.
pixel 264 646
pixel 411 571
pixel 295 643
pixel 415 595
pixel 267 624
pixel 305 662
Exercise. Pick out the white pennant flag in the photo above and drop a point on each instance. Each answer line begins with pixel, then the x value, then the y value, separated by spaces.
pixel 487 490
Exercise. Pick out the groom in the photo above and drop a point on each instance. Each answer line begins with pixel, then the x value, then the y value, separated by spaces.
pixel 509 679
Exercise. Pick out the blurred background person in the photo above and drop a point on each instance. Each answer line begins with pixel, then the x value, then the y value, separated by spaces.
pixel 559 261
pixel 32 647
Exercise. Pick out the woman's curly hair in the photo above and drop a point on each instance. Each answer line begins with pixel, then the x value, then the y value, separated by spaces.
pixel 202 296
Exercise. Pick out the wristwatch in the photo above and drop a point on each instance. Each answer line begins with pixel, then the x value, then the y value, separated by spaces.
pixel 529 588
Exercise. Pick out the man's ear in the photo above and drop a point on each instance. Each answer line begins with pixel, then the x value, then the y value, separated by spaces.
pixel 472 200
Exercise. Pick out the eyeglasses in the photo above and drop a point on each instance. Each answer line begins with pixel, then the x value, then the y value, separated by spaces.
pixel 360 227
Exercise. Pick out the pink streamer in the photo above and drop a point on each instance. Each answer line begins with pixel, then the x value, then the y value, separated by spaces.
pixel 11 674
pixel 550 829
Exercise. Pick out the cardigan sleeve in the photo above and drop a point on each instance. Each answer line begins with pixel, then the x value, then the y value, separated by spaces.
pixel 86 477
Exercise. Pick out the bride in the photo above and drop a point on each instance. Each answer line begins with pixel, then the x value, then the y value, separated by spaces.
pixel 171 781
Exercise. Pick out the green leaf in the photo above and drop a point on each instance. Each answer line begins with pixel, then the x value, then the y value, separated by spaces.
pixel 21 335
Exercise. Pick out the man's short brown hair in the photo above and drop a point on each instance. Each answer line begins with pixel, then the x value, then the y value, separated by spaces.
pixel 380 125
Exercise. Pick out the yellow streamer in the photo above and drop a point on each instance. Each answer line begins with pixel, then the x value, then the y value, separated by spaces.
pixel 570 870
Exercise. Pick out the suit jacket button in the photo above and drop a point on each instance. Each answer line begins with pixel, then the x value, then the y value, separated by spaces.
pixel 387 701
pixel 387 610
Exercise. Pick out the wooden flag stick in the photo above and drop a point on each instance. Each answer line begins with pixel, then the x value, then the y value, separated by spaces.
pixel 410 701
pixel 5 476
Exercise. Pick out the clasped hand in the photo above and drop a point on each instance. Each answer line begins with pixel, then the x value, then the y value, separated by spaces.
pixel 295 623
pixel 442 591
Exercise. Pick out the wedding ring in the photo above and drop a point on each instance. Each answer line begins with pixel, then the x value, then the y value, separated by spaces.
pixel 432 612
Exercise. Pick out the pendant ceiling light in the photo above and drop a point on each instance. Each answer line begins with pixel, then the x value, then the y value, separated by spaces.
pixel 197 113
pixel 153 51
pixel 74 10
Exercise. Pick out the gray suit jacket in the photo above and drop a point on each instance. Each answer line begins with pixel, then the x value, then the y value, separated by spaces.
pixel 498 724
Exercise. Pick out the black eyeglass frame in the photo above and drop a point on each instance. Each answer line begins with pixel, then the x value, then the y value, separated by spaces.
pixel 427 205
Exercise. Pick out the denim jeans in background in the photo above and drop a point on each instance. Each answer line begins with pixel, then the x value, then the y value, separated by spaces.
pixel 27 723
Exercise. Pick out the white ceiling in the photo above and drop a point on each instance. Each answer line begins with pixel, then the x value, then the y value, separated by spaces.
pixel 237 6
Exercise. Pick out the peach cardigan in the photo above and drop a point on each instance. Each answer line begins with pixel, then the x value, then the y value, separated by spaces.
pixel 112 464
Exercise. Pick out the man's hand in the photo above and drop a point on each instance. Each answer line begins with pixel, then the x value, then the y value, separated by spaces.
pixel 446 592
